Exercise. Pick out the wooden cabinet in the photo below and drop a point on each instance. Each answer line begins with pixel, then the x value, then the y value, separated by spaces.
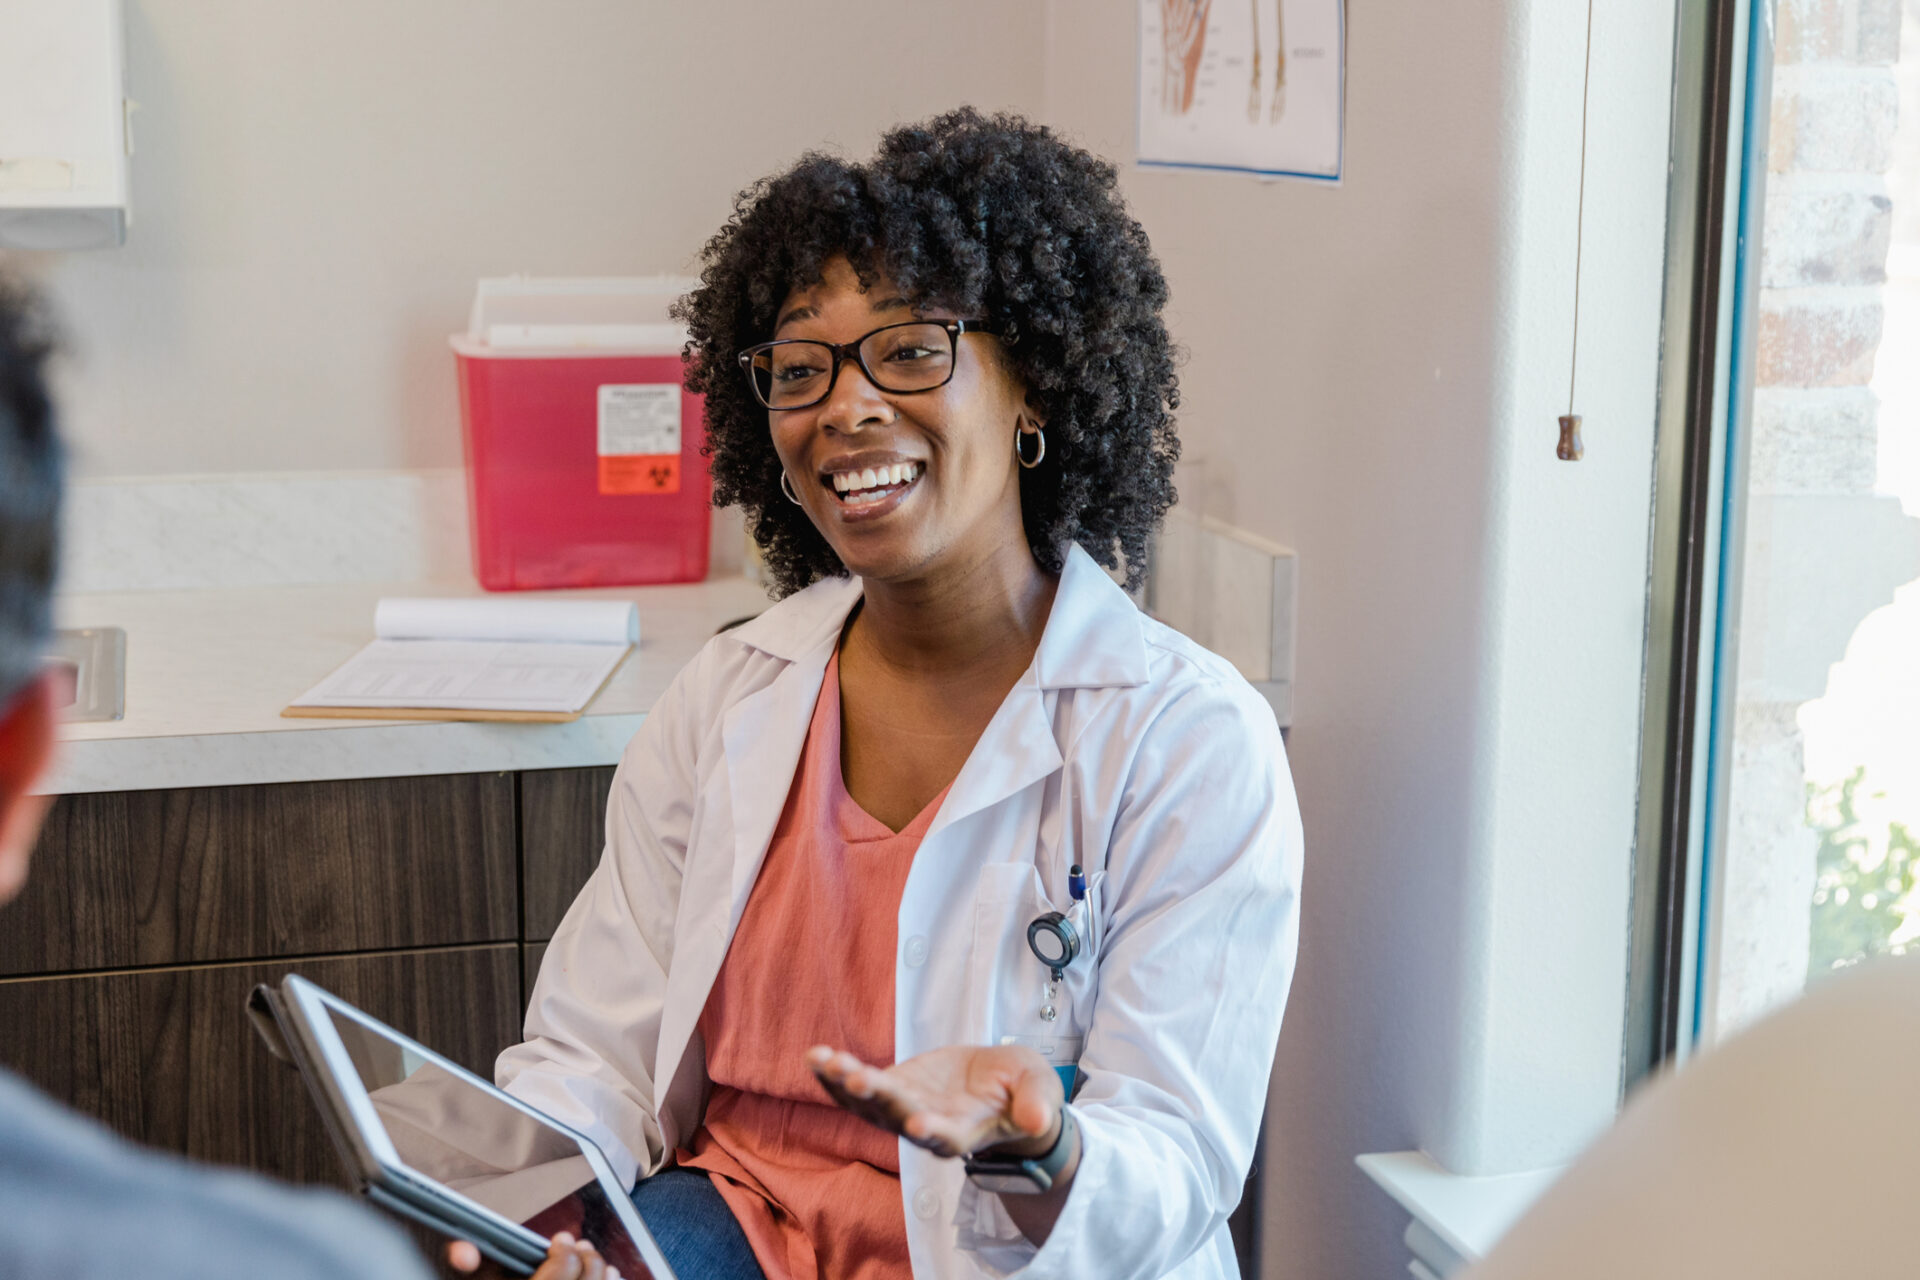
pixel 240 873
pixel 169 1056
pixel 149 916
pixel 562 831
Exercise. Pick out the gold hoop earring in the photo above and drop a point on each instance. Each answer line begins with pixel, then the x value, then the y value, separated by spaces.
pixel 786 487
pixel 1039 455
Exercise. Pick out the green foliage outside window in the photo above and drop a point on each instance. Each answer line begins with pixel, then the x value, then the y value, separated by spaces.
pixel 1864 882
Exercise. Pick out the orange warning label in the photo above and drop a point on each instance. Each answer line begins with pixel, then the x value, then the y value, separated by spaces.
pixel 640 473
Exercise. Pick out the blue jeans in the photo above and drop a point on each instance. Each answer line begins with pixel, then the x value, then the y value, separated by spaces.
pixel 694 1228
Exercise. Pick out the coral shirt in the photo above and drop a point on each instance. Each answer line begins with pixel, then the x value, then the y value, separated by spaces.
pixel 816 1189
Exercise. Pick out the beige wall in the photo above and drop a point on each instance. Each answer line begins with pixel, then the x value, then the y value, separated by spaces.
pixel 1375 371
pixel 317 186
pixel 1338 397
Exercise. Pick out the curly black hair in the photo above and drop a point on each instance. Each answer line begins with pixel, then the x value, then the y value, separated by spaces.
pixel 997 219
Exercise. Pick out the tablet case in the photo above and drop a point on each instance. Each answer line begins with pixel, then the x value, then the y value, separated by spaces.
pixel 281 1035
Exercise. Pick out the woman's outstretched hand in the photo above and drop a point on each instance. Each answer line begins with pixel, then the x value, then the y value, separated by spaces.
pixel 952 1101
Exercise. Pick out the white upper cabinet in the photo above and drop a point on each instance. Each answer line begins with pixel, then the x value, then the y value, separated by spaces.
pixel 63 125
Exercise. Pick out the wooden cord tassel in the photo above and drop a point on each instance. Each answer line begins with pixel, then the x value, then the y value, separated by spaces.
pixel 1571 447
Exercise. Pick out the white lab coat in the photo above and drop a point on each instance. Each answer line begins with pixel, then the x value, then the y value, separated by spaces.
pixel 1124 747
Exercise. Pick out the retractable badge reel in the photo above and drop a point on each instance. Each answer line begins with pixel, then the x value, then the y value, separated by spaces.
pixel 1055 942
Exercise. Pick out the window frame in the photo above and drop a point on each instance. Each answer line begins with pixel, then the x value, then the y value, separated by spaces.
pixel 1722 87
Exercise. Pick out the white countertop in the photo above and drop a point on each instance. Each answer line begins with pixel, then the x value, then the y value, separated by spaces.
pixel 208 672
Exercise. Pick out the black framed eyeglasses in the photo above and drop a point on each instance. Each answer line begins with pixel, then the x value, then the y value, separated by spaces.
pixel 799 373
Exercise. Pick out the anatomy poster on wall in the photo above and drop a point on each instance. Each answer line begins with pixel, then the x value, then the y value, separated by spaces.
pixel 1250 85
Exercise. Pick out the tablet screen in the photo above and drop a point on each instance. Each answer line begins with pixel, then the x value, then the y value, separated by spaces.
pixel 448 1128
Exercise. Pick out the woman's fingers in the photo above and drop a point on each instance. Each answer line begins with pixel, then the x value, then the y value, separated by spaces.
pixel 949 1101
pixel 570 1259
pixel 567 1259
pixel 1034 1101
pixel 850 1079
pixel 563 1259
pixel 834 1067
pixel 937 1134
pixel 463 1256
pixel 833 1072
pixel 842 1098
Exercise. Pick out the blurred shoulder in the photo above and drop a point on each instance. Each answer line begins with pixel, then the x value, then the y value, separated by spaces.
pixel 77 1193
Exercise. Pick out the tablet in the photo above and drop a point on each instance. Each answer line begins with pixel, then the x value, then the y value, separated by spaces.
pixel 433 1142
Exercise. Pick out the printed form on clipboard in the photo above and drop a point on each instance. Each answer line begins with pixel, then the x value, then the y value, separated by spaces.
pixel 537 660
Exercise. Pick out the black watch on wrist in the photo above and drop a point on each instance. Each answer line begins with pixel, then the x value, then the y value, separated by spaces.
pixel 1025 1176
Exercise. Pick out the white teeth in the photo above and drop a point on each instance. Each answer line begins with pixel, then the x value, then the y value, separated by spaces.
pixel 853 484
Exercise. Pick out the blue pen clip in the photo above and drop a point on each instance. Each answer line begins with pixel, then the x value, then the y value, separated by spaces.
pixel 1076 883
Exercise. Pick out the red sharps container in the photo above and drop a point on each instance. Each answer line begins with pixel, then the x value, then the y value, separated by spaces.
pixel 583 446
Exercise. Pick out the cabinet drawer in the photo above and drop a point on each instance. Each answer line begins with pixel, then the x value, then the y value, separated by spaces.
pixel 169 1057
pixel 563 823
pixel 233 873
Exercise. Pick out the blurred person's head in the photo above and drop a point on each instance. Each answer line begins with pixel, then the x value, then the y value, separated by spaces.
pixel 30 485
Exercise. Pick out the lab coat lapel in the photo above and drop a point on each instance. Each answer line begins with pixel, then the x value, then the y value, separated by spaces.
pixel 1017 750
pixel 1093 639
pixel 762 735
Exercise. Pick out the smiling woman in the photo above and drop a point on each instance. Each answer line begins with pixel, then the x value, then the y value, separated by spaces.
pixel 801 999
pixel 991 219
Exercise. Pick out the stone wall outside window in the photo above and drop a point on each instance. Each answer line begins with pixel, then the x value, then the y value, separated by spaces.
pixel 1827 542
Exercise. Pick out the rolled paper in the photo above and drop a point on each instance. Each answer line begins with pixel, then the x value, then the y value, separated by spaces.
pixel 521 621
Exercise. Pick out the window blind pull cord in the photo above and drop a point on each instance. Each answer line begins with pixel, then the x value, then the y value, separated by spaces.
pixel 1571 447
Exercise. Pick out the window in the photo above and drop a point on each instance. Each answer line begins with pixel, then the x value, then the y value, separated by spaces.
pixel 1818 855
pixel 1780 835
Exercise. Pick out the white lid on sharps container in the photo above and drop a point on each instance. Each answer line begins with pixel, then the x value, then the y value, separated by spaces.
pixel 533 316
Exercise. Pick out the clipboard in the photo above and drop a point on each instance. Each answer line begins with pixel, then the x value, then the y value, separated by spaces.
pixel 493 714
pixel 519 661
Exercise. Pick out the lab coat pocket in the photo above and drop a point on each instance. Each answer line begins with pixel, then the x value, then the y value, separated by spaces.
pixel 1011 1000
pixel 1062 1054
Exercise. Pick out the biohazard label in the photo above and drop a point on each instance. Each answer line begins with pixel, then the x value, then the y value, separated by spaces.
pixel 639 442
